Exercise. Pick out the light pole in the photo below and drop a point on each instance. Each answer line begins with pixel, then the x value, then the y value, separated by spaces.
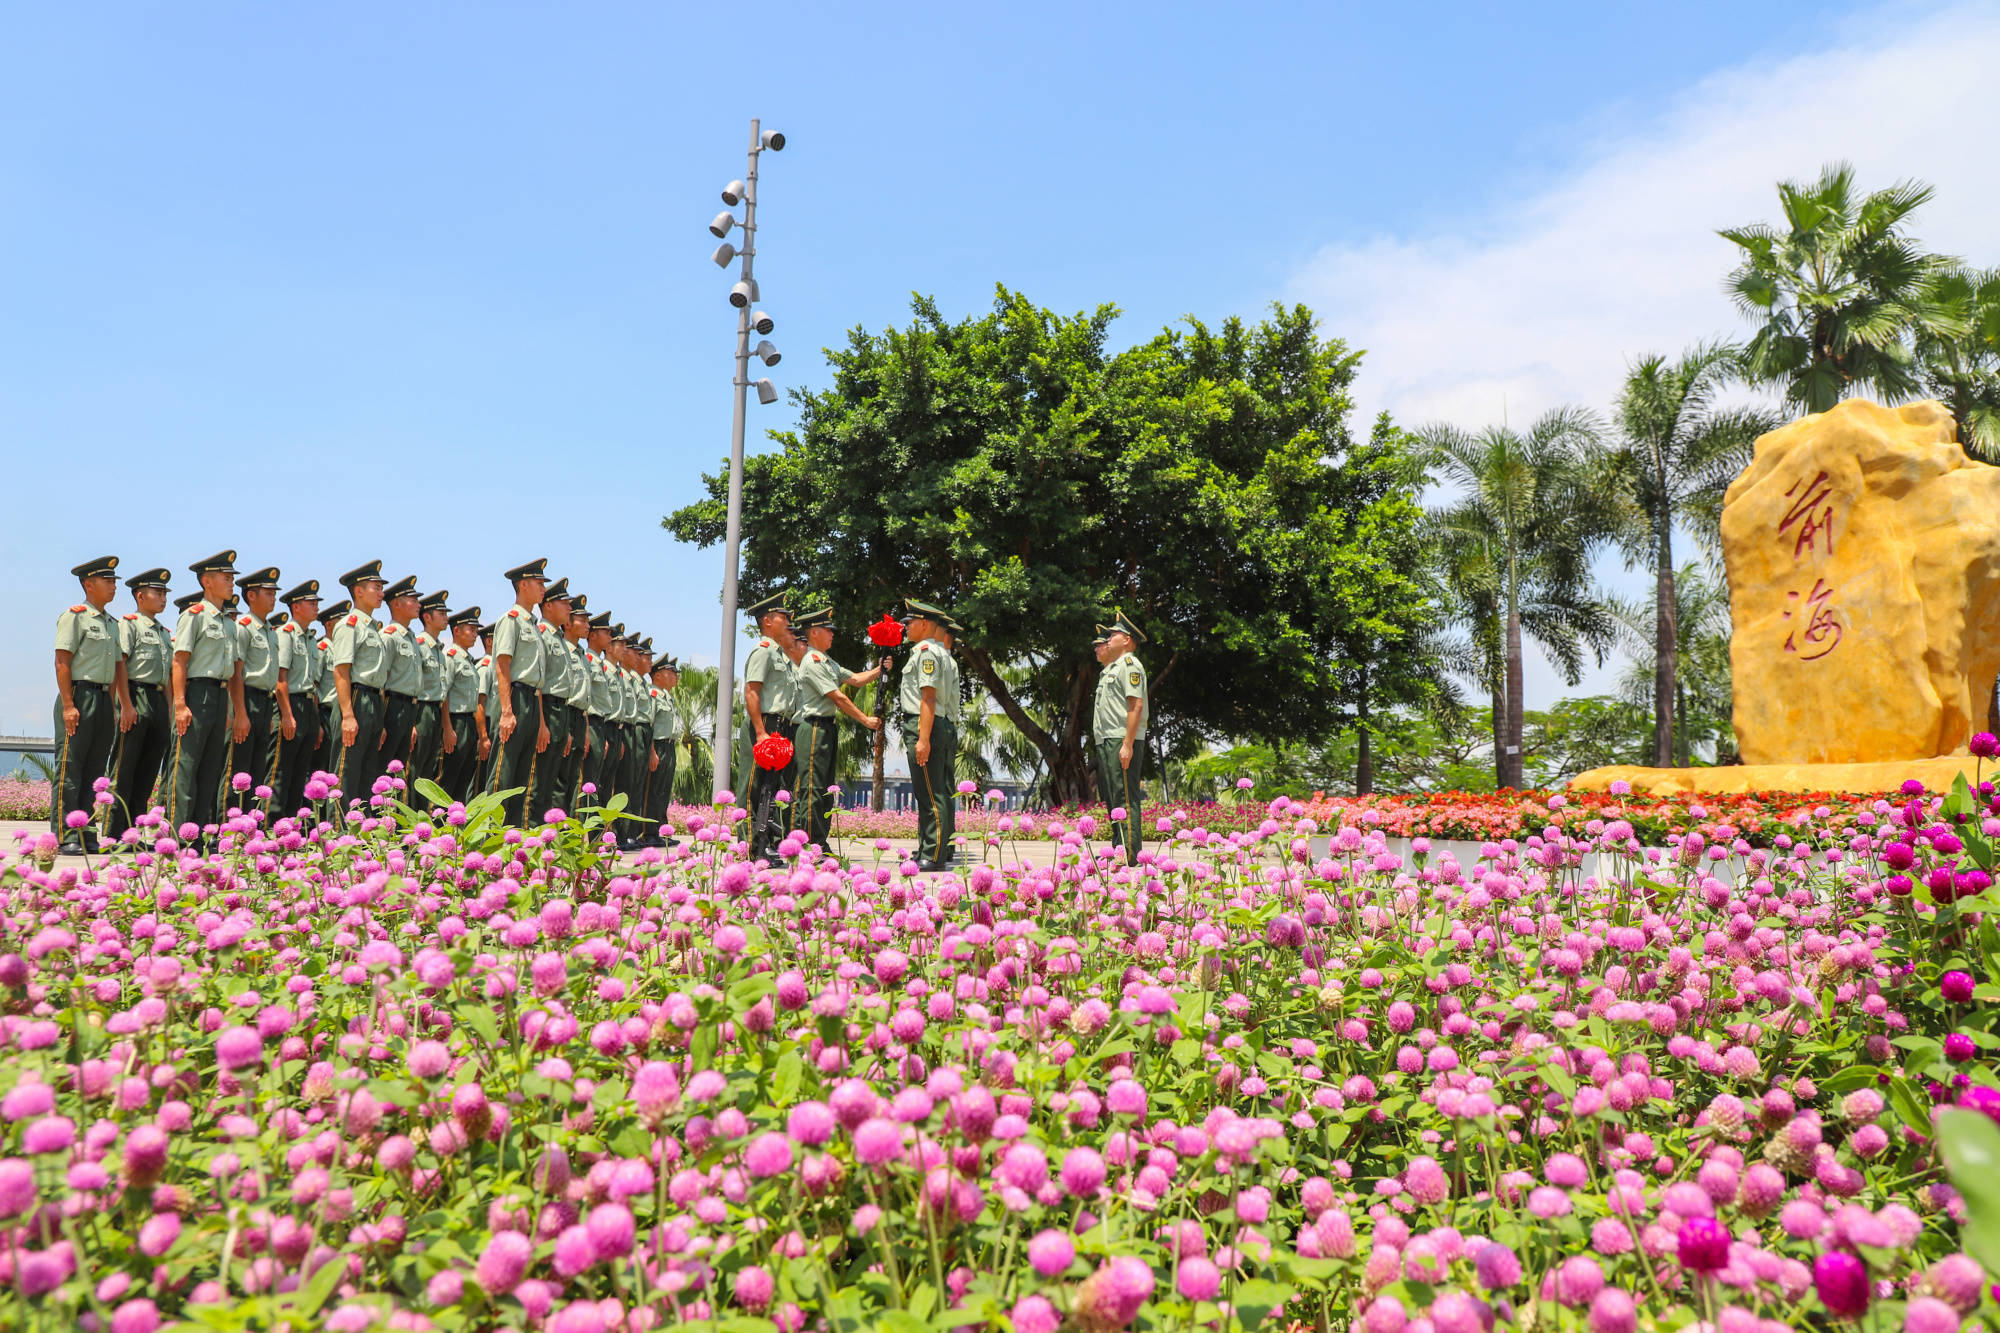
pixel 743 296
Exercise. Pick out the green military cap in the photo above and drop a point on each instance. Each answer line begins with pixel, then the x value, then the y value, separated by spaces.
pixel 666 663
pixel 183 603
pixel 579 605
pixel 305 592
pixel 618 632
pixel 534 569
pixel 916 610
pixel 775 604
pixel 469 616
pixel 645 645
pixel 486 631
pixel 1120 624
pixel 266 577
pixel 556 592
pixel 435 601
pixel 404 587
pixel 329 614
pixel 819 618
pixel 368 573
pixel 231 603
pixel 222 562
pixel 276 619
pixel 602 620
pixel 152 578
pixel 104 567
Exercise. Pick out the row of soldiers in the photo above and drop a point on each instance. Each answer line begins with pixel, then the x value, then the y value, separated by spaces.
pixel 793 688
pixel 553 700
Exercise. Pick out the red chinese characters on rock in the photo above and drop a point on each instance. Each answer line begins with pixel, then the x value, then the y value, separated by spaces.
pixel 1814 627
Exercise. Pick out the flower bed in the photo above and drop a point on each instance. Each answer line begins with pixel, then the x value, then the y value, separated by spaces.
pixel 380 1071
pixel 21 798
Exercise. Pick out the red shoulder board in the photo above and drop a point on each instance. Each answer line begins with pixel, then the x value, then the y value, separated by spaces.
pixel 81 606
pixel 389 628
pixel 242 620
pixel 451 651
pixel 352 621
pixel 513 611
pixel 763 643
pixel 324 645
pixel 590 657
pixel 131 615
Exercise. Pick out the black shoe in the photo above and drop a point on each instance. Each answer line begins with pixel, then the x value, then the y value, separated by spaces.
pixel 70 847
pixel 90 842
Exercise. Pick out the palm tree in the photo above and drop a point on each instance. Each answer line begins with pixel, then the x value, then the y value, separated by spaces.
pixel 1678 451
pixel 1838 291
pixel 694 700
pixel 1700 653
pixel 1518 541
pixel 37 768
pixel 1964 372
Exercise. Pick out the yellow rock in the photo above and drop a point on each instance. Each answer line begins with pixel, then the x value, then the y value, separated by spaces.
pixel 1936 775
pixel 1863 550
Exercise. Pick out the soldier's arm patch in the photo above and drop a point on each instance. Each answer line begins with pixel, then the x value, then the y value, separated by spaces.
pixel 352 621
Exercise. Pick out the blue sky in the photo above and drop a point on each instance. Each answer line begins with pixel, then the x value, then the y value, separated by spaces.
pixel 430 283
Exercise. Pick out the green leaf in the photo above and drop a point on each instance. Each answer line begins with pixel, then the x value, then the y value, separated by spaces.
pixel 320 1286
pixel 1971 1146
pixel 481 1020
pixel 433 793
pixel 1255 1300
pixel 785 1078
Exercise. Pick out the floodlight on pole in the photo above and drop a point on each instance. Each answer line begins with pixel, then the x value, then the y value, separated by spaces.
pixel 743 295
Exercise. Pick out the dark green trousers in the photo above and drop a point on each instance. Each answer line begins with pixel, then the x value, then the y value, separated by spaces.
pixel 361 762
pixel 257 754
pixel 141 755
pixel 399 725
pixel 515 763
pixel 637 747
pixel 461 766
pixel 201 756
pixel 427 754
pixel 814 761
pixel 482 778
pixel 769 821
pixel 326 758
pixel 1121 788
pixel 297 755
pixel 83 758
pixel 936 787
pixel 548 772
pixel 660 784
pixel 569 781
pixel 595 764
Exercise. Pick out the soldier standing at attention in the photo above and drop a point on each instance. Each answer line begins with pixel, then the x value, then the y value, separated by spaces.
pixel 90 681
pixel 463 739
pixel 302 673
pixel 666 733
pixel 822 683
pixel 770 695
pixel 406 677
pixel 264 663
pixel 328 757
pixel 576 700
pixel 553 627
pixel 929 698
pixel 142 750
pixel 428 751
pixel 603 703
pixel 1118 727
pixel 517 671
pixel 638 739
pixel 360 659
pixel 207 688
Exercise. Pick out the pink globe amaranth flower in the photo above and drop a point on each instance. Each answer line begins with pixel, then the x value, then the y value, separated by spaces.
pixel 753 1287
pixel 138 1315
pixel 1927 1314
pixel 17 1186
pixel 1082 1172
pixel 810 1123
pixel 1956 1280
pixel 580 1316
pixel 158 1233
pixel 574 1253
pixel 446 1288
pixel 612 1230
pixel 1613 1311
pixel 1841 1281
pixel 27 1100
pixel 1034 1314
pixel 1111 1297
pixel 470 1109
pixel 1126 1097
pixel 1702 1245
pixel 1425 1180
pixel 1982 1099
pixel 877 1141
pixel 1984 744
pixel 656 1090
pixel 768 1155
pixel 1956 987
pixel 50 1134
pixel 1051 1252
pixel 1497 1266
pixel 238 1046
pixel 503 1263
pixel 1198 1278
pixel 1385 1314
pixel 1958 1047
pixel 429 1060
pixel 1456 1312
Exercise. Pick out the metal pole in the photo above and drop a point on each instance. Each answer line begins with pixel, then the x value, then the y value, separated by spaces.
pixel 725 679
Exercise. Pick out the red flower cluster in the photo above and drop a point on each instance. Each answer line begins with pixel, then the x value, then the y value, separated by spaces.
pixel 886 632
pixel 773 752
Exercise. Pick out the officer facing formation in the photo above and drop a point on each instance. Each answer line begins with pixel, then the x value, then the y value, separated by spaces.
pixel 822 697
pixel 929 699
pixel 1119 714
pixel 770 696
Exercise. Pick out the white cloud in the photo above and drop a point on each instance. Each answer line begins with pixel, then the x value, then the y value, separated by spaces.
pixel 1545 302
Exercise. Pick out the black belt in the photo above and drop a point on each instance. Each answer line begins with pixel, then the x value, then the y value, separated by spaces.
pixel 88 685
pixel 205 680
pixel 769 718
pixel 375 690
pixel 146 685
pixel 258 689
pixel 399 694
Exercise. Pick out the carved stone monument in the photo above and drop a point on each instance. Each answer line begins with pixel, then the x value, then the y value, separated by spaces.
pixel 1863 551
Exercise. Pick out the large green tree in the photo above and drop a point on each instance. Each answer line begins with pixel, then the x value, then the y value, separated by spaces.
pixel 1014 470
pixel 1840 291
pixel 1677 450
pixel 1961 359
pixel 1515 539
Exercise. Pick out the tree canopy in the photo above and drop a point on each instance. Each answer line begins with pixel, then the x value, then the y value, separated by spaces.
pixel 1013 470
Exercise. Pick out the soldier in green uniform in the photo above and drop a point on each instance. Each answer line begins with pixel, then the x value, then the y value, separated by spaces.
pixel 517 669
pixel 327 758
pixel 360 660
pixel 1118 729
pixel 576 702
pixel 427 754
pixel 207 695
pixel 822 691
pixel 770 698
pixel 90 685
pixel 464 739
pixel 489 713
pixel 553 627
pixel 666 733
pixel 603 703
pixel 302 685
pixel 264 663
pixel 406 677
pixel 147 649
pixel 929 699
pixel 635 728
